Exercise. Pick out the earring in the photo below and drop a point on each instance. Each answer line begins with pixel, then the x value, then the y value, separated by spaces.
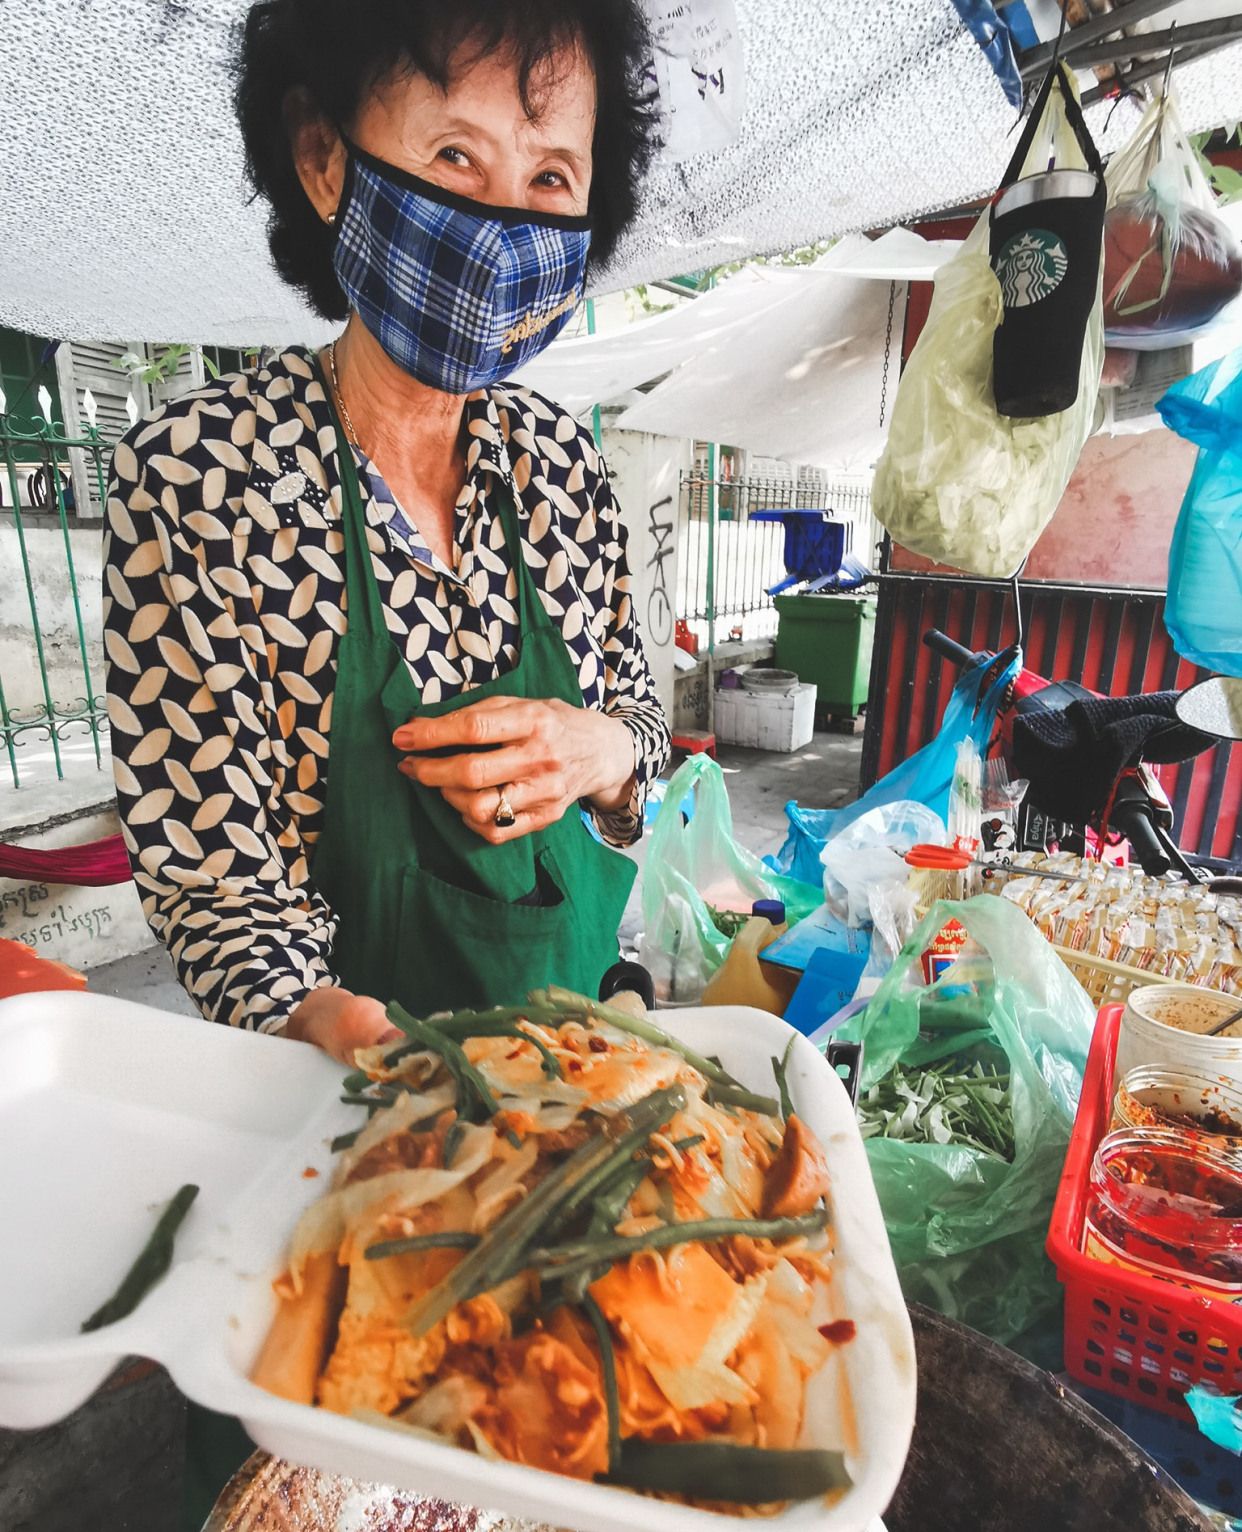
pixel 330 220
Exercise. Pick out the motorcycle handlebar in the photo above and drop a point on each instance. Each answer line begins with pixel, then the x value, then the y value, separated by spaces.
pixel 1130 820
pixel 948 648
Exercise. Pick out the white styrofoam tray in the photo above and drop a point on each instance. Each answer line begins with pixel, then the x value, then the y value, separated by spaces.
pixel 106 1107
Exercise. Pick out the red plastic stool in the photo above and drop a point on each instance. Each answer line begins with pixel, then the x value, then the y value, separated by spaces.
pixel 696 742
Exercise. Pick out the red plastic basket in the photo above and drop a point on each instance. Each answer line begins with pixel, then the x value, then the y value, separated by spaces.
pixel 1140 1337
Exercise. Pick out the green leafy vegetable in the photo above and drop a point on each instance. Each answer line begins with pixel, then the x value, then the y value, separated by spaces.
pixel 726 1471
pixel 946 1103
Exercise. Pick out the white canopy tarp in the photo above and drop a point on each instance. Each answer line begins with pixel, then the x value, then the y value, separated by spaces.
pixel 786 361
pixel 125 213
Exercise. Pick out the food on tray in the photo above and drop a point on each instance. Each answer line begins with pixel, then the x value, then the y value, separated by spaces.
pixel 152 1263
pixel 565 1239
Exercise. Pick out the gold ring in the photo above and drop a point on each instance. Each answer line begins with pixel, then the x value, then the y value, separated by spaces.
pixel 504 816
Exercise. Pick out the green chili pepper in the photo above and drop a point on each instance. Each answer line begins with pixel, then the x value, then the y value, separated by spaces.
pixel 153 1261
pixel 726 1471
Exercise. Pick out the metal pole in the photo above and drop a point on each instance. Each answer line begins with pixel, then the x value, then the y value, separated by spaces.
pixel 34 609
pixel 595 420
pixel 1037 59
pixel 92 702
pixel 711 587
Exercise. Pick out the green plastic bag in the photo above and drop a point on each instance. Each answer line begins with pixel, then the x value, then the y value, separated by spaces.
pixel 967 1227
pixel 694 866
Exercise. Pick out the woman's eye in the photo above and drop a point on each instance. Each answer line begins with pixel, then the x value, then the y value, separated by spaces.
pixel 454 156
pixel 551 178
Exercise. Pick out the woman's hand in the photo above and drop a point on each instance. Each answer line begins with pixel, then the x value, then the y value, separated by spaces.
pixel 338 1022
pixel 546 756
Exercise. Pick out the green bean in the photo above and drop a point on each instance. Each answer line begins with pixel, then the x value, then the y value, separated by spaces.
pixel 344 1141
pixel 561 1260
pixel 152 1263
pixel 735 1095
pixel 611 1200
pixel 502 1251
pixel 608 1366
pixel 780 1069
pixel 468 1079
pixel 448 1239
pixel 692 1142
pixel 636 1026
pixel 729 1472
pixel 551 1064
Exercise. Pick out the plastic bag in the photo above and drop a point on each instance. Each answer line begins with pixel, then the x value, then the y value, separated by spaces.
pixel 956 481
pixel 861 859
pixel 1171 262
pixel 967 1227
pixel 693 868
pixel 926 777
pixel 1203 612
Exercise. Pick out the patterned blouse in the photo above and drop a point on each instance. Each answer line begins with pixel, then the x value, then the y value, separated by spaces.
pixel 224 601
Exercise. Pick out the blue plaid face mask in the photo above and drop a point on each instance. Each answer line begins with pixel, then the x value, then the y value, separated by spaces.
pixel 458 293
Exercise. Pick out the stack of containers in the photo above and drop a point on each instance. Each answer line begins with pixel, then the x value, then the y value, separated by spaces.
pixel 1147 1229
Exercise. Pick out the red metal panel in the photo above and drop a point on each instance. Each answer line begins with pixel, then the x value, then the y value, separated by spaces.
pixel 1111 641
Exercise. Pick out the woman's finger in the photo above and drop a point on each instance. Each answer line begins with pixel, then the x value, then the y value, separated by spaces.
pixel 525 823
pixel 477 726
pixel 475 770
pixel 478 809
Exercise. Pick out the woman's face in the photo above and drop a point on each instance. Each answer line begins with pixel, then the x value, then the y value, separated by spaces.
pixel 475 138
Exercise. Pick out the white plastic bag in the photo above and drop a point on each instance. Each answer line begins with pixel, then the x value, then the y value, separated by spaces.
pixel 1171 262
pixel 957 482
pixel 865 859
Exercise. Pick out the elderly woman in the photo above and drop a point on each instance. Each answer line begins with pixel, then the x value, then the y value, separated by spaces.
pixel 371 644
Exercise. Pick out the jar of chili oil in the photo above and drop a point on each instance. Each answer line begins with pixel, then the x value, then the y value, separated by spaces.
pixel 1168 1205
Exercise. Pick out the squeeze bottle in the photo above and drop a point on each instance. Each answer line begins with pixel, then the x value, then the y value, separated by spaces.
pixel 743 979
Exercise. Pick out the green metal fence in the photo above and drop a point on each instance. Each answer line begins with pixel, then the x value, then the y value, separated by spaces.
pixel 50 483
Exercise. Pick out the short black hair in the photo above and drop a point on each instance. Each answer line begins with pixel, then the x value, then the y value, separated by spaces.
pixel 338 50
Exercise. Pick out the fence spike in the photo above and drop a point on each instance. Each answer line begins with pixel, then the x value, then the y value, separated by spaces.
pixel 131 409
pixel 45 402
pixel 89 405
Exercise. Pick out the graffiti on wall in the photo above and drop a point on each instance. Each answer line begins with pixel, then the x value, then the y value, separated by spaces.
pixel 659 601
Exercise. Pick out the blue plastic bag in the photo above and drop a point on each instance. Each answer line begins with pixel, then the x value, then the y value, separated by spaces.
pixel 925 777
pixel 1203 612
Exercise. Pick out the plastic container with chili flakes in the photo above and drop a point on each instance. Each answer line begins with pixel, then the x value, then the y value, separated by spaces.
pixel 1183 1100
pixel 1169 1205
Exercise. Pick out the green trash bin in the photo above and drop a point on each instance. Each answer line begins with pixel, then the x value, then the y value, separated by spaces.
pixel 827 640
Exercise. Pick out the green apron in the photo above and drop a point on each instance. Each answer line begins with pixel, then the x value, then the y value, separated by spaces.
pixel 428 912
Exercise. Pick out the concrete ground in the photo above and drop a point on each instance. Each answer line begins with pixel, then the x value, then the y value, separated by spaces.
pixel 760 783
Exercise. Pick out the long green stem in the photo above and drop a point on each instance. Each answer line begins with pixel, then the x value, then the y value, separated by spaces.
pixel 565 1260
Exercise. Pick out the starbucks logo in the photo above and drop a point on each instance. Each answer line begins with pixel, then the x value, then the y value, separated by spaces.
pixel 1030 267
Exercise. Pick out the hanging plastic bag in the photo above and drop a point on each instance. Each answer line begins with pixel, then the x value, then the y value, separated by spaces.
pixel 967 1225
pixel 693 869
pixel 1171 262
pixel 925 777
pixel 957 481
pixel 1203 612
pixel 866 855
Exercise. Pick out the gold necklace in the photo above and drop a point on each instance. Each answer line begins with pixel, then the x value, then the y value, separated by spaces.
pixel 340 400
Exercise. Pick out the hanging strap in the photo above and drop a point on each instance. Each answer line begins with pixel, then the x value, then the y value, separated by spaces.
pixel 1073 115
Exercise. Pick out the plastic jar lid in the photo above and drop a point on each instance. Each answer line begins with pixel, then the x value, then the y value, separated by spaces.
pixel 941 858
pixel 769 909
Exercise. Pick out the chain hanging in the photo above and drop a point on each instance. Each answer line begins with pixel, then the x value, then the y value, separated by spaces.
pixel 888 350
